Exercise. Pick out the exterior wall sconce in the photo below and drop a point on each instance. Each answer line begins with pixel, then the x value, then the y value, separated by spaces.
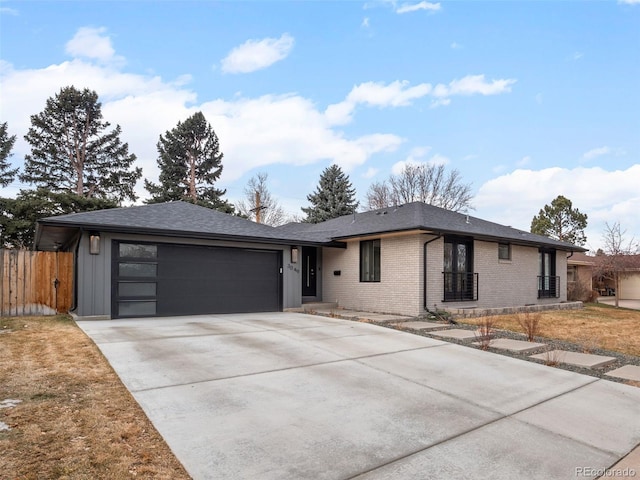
pixel 294 254
pixel 94 244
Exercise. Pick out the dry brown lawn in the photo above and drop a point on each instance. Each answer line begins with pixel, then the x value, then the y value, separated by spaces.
pixel 76 420
pixel 596 326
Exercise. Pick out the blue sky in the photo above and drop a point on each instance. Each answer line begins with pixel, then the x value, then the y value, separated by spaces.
pixel 528 100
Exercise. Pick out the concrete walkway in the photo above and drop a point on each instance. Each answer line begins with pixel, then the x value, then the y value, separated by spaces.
pixel 289 395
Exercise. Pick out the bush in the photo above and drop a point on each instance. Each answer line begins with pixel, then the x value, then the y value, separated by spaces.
pixel 530 323
pixel 578 292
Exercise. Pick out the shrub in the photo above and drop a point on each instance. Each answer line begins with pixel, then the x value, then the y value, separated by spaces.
pixel 578 292
pixel 530 323
pixel 485 332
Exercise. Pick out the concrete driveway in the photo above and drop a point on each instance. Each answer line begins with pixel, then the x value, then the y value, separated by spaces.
pixel 288 395
pixel 633 304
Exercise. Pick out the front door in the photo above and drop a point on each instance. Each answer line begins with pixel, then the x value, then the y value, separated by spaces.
pixel 309 268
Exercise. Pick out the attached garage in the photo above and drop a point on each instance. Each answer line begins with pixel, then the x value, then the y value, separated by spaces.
pixel 175 258
pixel 156 279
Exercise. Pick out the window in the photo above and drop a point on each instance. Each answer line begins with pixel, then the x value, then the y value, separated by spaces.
pixel 135 277
pixel 370 261
pixel 504 251
pixel 572 273
pixel 548 282
pixel 460 283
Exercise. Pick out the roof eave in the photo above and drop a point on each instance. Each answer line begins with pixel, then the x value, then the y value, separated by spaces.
pixel 186 234
pixel 491 238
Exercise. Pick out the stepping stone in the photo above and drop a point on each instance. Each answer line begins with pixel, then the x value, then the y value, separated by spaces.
pixel 578 359
pixel 518 346
pixel 457 333
pixel 628 372
pixel 419 325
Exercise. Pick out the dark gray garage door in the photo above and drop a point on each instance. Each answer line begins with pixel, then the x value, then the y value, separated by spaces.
pixel 167 279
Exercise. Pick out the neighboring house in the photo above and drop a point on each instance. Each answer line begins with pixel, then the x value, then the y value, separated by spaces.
pixel 579 276
pixel 630 280
pixel 177 259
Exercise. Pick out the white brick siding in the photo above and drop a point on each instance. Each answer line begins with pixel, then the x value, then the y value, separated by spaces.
pixel 501 283
pixel 399 289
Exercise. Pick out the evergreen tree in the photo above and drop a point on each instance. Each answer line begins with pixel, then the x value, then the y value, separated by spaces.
pixel 561 221
pixel 71 151
pixel 7 174
pixel 190 162
pixel 333 198
pixel 18 215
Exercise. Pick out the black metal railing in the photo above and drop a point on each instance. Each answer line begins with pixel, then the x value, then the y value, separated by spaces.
pixel 460 287
pixel 548 286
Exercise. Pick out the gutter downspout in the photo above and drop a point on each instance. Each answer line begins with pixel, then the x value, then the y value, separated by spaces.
pixel 424 295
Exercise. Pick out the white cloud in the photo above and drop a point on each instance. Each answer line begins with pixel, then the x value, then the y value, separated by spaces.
pixel 414 7
pixel 9 11
pixel 472 85
pixel 524 161
pixel 365 22
pixel 395 94
pixel 577 56
pixel 255 55
pixel 455 46
pixel 147 106
pixel 596 152
pixel 400 94
pixel 92 43
pixel 630 2
pixel 371 172
pixel 604 195
pixel 417 157
pixel 375 94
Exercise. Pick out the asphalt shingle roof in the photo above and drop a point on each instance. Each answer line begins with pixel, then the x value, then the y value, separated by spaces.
pixel 186 219
pixel 173 218
pixel 419 216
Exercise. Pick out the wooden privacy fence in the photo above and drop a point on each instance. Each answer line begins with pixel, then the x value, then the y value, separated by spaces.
pixel 35 283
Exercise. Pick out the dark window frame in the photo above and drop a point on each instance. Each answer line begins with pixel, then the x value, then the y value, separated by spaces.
pixel 501 251
pixel 548 281
pixel 370 261
pixel 118 299
pixel 459 286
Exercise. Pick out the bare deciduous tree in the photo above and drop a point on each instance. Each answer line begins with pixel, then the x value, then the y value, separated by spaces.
pixel 379 196
pixel 617 257
pixel 426 183
pixel 259 204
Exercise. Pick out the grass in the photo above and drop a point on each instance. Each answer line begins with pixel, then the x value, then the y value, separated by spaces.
pixel 594 326
pixel 75 420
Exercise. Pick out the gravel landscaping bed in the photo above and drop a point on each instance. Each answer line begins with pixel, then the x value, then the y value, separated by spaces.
pixel 550 344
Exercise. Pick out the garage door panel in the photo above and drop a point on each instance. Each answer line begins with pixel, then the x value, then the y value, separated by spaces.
pixel 197 280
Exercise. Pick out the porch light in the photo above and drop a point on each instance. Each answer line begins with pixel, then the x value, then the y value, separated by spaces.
pixel 94 244
pixel 294 254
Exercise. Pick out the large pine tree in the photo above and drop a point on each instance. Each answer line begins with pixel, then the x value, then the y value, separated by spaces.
pixel 334 197
pixel 561 221
pixel 7 173
pixel 18 215
pixel 72 151
pixel 190 162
